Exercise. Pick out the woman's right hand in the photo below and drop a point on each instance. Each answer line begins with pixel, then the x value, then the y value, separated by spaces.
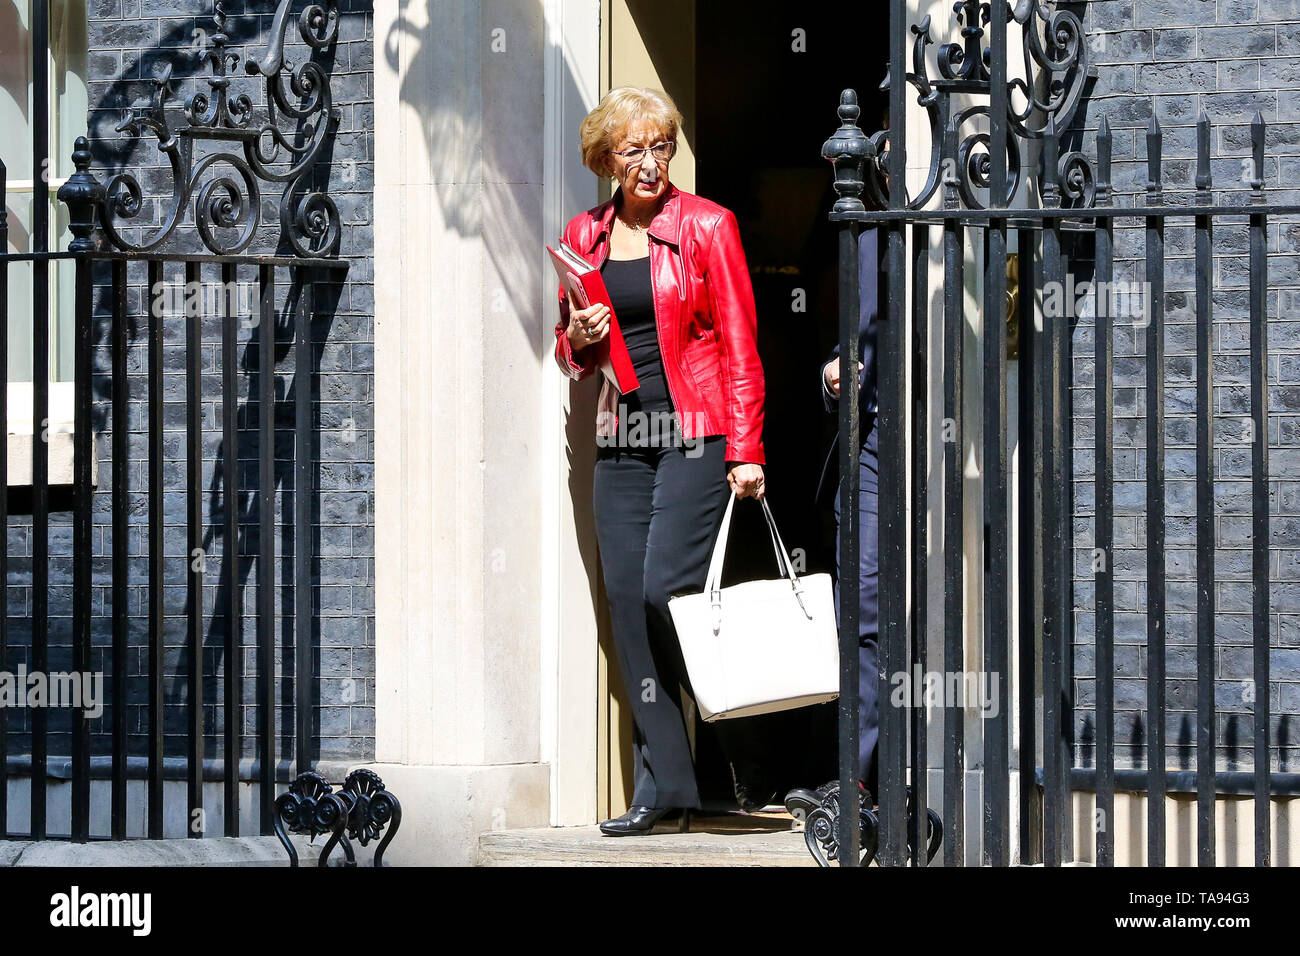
pixel 588 325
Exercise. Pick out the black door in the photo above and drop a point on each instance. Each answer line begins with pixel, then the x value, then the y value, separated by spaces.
pixel 758 67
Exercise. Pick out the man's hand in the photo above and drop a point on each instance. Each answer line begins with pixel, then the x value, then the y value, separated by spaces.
pixel 831 375
pixel 746 480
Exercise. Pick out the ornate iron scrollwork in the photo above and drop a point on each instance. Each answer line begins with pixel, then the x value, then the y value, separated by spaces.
pixel 822 820
pixel 933 829
pixel 280 149
pixel 362 810
pixel 1056 69
pixel 310 807
pixel 821 828
pixel 372 809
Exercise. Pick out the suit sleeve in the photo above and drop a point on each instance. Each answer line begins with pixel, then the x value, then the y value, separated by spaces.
pixel 731 299
pixel 576 365
pixel 829 399
pixel 868 305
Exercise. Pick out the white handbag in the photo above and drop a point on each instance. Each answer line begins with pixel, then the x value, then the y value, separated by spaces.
pixel 760 646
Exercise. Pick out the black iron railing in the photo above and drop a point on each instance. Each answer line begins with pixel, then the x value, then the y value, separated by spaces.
pixel 976 186
pixel 122 274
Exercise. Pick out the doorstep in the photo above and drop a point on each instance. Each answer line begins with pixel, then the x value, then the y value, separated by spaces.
pixel 757 839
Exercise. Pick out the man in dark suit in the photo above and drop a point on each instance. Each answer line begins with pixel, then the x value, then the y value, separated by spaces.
pixel 868 498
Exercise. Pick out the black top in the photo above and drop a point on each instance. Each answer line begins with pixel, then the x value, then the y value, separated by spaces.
pixel 630 291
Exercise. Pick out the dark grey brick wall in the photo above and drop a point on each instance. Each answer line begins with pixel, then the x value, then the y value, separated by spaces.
pixel 130 41
pixel 1173 59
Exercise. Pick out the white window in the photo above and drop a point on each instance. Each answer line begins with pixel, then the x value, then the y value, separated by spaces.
pixel 65 66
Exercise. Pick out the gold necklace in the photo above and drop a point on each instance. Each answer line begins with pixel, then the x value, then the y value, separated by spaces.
pixel 636 228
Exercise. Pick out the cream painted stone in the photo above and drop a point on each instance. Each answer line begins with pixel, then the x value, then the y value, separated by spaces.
pixel 176 818
pixel 569 659
pixel 1234 830
pixel 58 430
pixel 446 808
pixel 221 851
pixel 465 446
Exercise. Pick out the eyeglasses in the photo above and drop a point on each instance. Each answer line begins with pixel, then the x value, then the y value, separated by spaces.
pixel 662 152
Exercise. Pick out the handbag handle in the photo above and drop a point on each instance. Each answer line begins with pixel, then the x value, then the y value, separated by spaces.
pixel 713 582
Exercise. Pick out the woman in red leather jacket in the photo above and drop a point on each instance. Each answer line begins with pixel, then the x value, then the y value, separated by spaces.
pixel 672 450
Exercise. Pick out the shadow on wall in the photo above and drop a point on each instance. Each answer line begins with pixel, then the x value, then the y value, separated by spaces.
pixel 449 85
pixel 446 83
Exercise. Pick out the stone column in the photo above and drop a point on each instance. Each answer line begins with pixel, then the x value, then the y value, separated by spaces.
pixel 459 333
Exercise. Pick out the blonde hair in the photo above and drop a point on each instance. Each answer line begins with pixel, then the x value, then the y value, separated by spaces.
pixel 617 110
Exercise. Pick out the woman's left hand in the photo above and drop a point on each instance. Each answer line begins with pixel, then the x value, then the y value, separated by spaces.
pixel 746 480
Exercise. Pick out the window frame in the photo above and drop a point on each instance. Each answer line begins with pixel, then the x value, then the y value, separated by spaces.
pixel 20 426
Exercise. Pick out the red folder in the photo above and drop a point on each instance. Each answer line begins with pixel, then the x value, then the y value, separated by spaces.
pixel 584 285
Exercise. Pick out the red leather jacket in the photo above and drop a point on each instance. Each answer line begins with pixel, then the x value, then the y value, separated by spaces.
pixel 704 311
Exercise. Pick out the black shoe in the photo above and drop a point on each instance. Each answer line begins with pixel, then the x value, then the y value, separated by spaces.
pixel 750 787
pixel 637 821
pixel 752 799
pixel 801 801
pixel 864 793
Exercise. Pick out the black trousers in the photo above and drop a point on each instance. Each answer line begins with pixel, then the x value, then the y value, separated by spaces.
pixel 657 514
pixel 868 600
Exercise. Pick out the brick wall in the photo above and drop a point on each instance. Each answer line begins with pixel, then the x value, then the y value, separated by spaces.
pixel 1173 59
pixel 130 41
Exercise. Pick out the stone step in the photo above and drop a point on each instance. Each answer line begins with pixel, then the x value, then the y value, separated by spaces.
pixel 262 851
pixel 730 840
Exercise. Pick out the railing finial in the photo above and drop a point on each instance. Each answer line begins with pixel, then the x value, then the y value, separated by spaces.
pixel 848 150
pixel 82 194
pixel 1155 138
pixel 1104 146
pixel 1203 156
pixel 1257 158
